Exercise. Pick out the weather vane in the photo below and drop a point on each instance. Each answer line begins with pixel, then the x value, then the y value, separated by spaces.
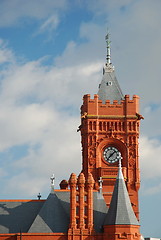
pixel 107 38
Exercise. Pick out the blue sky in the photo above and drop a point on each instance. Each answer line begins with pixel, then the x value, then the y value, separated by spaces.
pixel 51 54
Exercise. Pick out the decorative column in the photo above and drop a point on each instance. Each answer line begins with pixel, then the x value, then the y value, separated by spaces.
pixel 73 184
pixel 90 184
pixel 81 184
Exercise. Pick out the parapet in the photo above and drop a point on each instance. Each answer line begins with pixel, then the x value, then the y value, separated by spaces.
pixel 116 108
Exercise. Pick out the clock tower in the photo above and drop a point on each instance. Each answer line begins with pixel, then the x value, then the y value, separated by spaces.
pixel 109 132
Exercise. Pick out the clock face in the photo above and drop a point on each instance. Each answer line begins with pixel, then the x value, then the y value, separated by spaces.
pixel 111 154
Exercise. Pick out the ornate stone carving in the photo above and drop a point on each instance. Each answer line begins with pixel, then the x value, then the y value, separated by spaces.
pixel 92 156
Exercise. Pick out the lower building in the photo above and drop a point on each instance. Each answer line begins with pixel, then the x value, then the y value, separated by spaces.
pixel 78 213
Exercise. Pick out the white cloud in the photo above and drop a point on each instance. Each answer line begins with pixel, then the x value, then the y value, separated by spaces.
pixel 151 123
pixel 102 7
pixel 50 24
pixel 150 152
pixel 6 55
pixel 152 190
pixel 150 164
pixel 21 125
pixel 12 12
pixel 26 184
pixel 3 173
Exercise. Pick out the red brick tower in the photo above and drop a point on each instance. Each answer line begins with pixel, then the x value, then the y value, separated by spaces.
pixel 110 131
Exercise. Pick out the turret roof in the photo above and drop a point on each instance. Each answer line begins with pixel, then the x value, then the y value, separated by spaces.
pixel 120 210
pixel 109 88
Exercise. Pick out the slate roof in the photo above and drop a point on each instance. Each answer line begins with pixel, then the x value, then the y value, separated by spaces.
pixel 109 88
pixel 120 211
pixel 18 215
pixel 100 211
pixel 52 217
pixel 45 216
pixel 53 214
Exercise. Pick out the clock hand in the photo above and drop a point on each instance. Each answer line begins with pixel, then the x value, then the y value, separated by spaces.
pixel 111 154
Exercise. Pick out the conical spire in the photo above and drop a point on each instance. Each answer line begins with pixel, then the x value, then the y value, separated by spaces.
pixel 109 88
pixel 120 211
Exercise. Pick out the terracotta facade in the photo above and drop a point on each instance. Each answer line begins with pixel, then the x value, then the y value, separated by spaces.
pixel 117 125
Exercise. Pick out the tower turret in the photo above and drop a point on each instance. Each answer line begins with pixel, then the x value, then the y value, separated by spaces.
pixel 120 211
pixel 120 220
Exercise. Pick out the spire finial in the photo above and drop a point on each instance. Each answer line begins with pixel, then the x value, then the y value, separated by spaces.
pixel 52 180
pixel 108 57
pixel 39 196
pixel 120 174
pixel 120 164
pixel 100 184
